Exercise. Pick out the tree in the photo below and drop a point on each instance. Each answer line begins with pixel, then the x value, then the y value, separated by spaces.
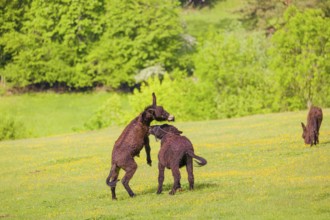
pixel 189 99
pixel 12 16
pixel 82 44
pixel 263 14
pixel 198 3
pixel 300 59
pixel 235 67
pixel 138 35
pixel 52 42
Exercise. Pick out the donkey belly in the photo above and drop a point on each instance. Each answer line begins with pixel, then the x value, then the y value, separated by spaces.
pixel 135 150
pixel 165 157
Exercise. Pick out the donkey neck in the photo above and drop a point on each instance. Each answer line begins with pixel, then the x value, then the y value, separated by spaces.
pixel 145 120
pixel 146 117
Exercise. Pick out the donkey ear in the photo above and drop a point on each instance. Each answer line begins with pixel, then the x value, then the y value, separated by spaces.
pixel 154 100
pixel 303 126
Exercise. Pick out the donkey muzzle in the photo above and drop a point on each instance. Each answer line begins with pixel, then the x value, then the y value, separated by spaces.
pixel 170 118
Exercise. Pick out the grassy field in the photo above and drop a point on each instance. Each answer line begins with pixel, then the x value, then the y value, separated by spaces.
pixel 223 16
pixel 258 168
pixel 45 114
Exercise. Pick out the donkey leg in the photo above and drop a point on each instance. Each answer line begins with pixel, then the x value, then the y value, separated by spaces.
pixel 130 169
pixel 315 137
pixel 318 130
pixel 113 192
pixel 161 170
pixel 177 177
pixel 189 168
pixel 112 180
pixel 147 149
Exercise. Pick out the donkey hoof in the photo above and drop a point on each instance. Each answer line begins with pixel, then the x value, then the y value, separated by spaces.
pixel 131 194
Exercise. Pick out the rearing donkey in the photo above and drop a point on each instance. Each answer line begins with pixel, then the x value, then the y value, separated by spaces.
pixel 130 143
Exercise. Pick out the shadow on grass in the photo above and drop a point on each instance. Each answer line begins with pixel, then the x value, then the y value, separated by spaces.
pixel 206 186
pixel 184 187
pixel 166 189
pixel 323 144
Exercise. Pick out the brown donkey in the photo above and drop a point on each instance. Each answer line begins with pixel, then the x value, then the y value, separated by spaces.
pixel 175 152
pixel 131 142
pixel 311 131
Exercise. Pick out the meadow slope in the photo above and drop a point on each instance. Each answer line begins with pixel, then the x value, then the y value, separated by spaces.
pixel 258 168
pixel 45 114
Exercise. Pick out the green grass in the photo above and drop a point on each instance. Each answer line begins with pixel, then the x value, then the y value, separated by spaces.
pixel 258 168
pixel 224 15
pixel 45 114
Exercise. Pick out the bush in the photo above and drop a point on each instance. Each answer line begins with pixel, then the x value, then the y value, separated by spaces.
pixel 84 44
pixel 235 67
pixel 300 59
pixel 11 129
pixel 139 35
pixel 111 113
pixel 185 98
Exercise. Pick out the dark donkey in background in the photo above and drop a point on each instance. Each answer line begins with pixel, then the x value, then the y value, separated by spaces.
pixel 175 152
pixel 131 142
pixel 311 130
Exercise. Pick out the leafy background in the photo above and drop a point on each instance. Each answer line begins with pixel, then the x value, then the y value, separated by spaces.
pixel 69 66
pixel 205 60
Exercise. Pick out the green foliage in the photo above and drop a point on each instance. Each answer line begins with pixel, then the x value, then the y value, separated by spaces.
pixel 224 72
pixel 234 78
pixel 183 97
pixel 82 44
pixel 51 43
pixel 11 129
pixel 300 59
pixel 138 34
pixel 325 6
pixel 11 13
pixel 261 14
pixel 110 113
pixel 224 15
pixel 235 67
pixel 198 3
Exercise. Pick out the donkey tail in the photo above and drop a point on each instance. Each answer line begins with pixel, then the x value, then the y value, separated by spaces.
pixel 200 160
pixel 107 181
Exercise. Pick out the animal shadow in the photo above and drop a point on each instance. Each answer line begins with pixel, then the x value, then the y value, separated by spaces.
pixel 323 143
pixel 185 188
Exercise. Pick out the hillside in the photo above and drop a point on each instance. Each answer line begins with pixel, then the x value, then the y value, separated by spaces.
pixel 224 16
pixel 258 168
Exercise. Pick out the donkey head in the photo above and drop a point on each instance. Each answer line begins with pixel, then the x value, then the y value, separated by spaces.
pixel 305 134
pixel 155 112
pixel 160 130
